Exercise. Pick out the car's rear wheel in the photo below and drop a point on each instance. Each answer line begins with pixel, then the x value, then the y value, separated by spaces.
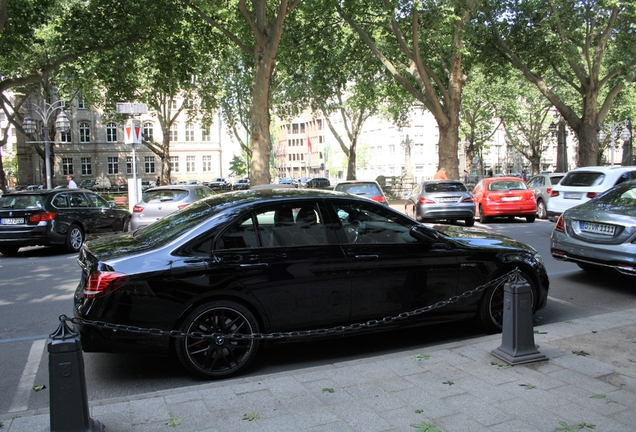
pixel 530 218
pixel 491 307
pixel 74 238
pixel 589 267
pixel 542 211
pixel 126 225
pixel 9 250
pixel 221 356
pixel 470 222
pixel 482 217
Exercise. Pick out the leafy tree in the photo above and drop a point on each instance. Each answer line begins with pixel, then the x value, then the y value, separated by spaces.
pixel 565 47
pixel 422 45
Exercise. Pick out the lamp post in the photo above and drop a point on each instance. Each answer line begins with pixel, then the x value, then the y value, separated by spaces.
pixel 62 124
pixel 561 133
pixel 408 169
pixel 614 128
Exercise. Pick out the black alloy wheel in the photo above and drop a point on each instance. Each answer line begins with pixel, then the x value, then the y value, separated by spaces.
pixel 491 307
pixel 74 238
pixel 219 356
pixel 470 222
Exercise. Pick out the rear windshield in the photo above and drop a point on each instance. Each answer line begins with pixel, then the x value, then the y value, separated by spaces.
pixel 506 185
pixel 555 179
pixel 359 189
pixel 583 178
pixel 445 187
pixel 21 202
pixel 164 195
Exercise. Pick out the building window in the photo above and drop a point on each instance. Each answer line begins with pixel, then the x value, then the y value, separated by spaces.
pixel 81 103
pixel 205 134
pixel 149 164
pixel 113 165
pixel 67 166
pixel 302 128
pixel 319 121
pixel 174 164
pixel 189 132
pixel 111 132
pixel 147 131
pixel 87 167
pixel 419 150
pixel 189 164
pixel 295 128
pixel 207 163
pixel 85 132
pixel 391 149
pixel 65 137
pixel 173 104
pixel 129 165
pixel 174 132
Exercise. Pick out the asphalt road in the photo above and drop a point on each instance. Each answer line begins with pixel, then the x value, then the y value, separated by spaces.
pixel 37 286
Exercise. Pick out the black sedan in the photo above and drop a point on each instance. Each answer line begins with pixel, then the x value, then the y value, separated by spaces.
pixel 214 279
pixel 56 217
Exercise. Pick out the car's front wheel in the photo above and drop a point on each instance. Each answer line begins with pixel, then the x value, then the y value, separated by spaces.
pixel 491 306
pixel 542 211
pixel 219 356
pixel 74 238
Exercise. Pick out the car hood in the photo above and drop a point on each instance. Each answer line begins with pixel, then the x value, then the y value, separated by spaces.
pixel 474 237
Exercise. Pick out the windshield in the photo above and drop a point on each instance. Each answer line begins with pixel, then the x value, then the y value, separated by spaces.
pixel 583 178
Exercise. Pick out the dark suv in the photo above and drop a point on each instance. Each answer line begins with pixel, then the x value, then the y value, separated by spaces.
pixel 56 217
pixel 318 182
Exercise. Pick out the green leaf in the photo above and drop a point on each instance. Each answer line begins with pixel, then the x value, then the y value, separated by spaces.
pixel 173 422
pixel 498 364
pixel 425 427
pixel 450 383
pixel 39 387
pixel 418 411
pixel 598 396
pixel 418 357
pixel 328 390
pixel 528 386
pixel 581 353
pixel 251 416
pixel 540 332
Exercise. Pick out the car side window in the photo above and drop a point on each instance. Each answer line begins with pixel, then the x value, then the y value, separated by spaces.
pixel 367 224
pixel 240 235
pixel 97 201
pixel 290 224
pixel 79 200
pixel 60 200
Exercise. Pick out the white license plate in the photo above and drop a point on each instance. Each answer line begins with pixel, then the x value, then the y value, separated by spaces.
pixel 598 228
pixel 572 195
pixel 12 221
pixel 447 200
pixel 511 198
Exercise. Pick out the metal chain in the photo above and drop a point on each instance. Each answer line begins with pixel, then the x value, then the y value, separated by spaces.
pixel 300 333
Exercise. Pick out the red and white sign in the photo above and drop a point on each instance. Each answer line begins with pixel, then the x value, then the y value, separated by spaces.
pixel 132 131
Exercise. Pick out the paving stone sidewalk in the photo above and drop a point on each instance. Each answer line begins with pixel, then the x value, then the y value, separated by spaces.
pixel 589 380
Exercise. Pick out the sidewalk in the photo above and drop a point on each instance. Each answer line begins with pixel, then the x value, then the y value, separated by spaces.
pixel 589 380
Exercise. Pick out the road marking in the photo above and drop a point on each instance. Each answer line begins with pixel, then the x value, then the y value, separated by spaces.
pixel 25 387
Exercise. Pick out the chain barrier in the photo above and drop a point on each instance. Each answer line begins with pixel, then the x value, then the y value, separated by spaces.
pixel 300 333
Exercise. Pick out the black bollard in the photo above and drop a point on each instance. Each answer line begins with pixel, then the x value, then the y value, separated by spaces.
pixel 517 345
pixel 67 383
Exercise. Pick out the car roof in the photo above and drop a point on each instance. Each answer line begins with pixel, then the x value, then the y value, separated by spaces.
pixel 605 169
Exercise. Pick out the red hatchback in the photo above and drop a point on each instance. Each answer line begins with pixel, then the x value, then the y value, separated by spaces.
pixel 504 197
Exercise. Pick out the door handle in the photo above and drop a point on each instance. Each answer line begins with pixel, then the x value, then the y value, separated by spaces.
pixel 367 257
pixel 253 266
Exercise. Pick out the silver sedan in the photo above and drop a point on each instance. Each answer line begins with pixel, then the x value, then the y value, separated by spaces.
pixel 160 201
pixel 600 233
pixel 441 200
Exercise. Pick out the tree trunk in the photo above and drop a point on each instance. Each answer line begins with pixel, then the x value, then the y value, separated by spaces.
pixel 352 164
pixel 260 121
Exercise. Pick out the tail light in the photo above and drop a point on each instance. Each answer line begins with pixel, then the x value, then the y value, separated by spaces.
pixel 548 191
pixel 591 195
pixel 101 283
pixel 559 224
pixel 43 216
pixel 424 200
pixel 468 200
pixel 379 198
pixel 554 193
pixel 138 209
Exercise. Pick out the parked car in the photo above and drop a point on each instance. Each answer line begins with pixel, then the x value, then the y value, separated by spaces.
pixel 160 201
pixel 582 184
pixel 61 217
pixel 147 185
pixel 437 200
pixel 541 185
pixel 219 183
pixel 241 184
pixel 600 233
pixel 98 184
pixel 504 197
pixel 318 182
pixel 286 260
pixel 286 180
pixel 364 188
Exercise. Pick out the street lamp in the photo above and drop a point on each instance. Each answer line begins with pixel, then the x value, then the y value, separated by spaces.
pixel 62 124
pixel 558 130
pixel 614 128
pixel 406 144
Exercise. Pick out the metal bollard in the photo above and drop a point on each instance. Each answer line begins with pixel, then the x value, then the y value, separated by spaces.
pixel 67 383
pixel 517 345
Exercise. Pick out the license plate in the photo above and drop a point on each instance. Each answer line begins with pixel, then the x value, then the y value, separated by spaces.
pixel 447 199
pixel 12 221
pixel 598 228
pixel 572 195
pixel 511 198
